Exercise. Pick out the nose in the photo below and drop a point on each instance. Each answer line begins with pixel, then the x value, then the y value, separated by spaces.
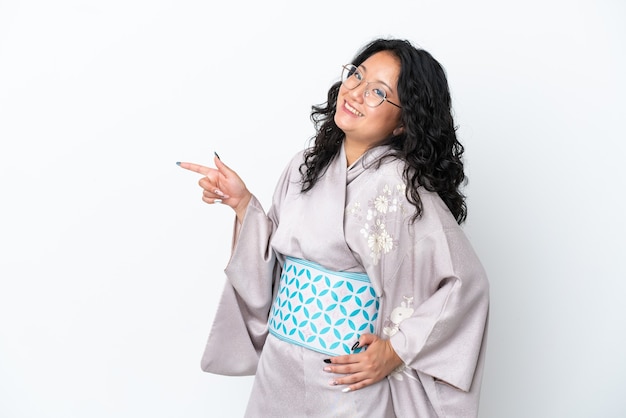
pixel 358 93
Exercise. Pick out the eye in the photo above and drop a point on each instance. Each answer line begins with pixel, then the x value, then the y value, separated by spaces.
pixel 379 92
pixel 357 74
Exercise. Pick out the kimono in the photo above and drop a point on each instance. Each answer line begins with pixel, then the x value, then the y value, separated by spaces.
pixel 432 291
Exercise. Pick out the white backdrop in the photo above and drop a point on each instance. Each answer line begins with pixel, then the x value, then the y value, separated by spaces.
pixel 110 264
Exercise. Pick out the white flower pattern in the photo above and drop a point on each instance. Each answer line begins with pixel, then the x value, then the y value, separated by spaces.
pixel 379 240
pixel 381 203
pixel 399 314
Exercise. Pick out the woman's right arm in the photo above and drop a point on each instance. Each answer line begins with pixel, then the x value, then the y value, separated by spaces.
pixel 240 323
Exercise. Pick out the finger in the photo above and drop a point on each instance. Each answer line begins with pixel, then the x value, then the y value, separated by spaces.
pixel 366 339
pixel 195 167
pixel 357 386
pixel 344 359
pixel 211 200
pixel 344 368
pixel 353 382
pixel 207 184
pixel 214 194
pixel 210 186
pixel 223 168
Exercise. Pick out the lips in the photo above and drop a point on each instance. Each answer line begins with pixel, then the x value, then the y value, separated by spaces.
pixel 352 110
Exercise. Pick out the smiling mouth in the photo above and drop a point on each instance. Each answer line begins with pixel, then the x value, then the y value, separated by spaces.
pixel 352 110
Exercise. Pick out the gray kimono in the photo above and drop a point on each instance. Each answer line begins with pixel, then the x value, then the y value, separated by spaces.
pixel 433 295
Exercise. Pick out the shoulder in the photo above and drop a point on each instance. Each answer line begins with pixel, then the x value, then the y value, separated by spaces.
pixel 295 162
pixel 290 175
pixel 388 178
pixel 293 165
pixel 436 212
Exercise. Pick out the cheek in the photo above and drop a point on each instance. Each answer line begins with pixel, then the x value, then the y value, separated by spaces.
pixel 386 121
pixel 340 96
pixel 394 120
pixel 339 118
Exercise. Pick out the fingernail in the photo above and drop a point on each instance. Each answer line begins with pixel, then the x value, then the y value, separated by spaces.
pixel 218 157
pixel 346 390
pixel 327 360
pixel 177 162
pixel 355 346
pixel 333 383
pixel 217 201
pixel 218 192
pixel 327 369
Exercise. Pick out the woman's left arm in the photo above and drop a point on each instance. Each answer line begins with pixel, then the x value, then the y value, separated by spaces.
pixel 443 333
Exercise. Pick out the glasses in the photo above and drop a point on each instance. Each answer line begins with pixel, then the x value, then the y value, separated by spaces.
pixel 374 93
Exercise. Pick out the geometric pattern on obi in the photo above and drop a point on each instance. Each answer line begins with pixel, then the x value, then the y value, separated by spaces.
pixel 323 310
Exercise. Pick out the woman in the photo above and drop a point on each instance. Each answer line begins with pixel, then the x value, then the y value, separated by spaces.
pixel 358 293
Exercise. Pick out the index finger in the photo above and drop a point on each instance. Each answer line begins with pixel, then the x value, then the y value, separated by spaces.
pixel 195 167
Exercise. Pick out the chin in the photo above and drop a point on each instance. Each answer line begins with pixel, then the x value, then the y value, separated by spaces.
pixel 343 121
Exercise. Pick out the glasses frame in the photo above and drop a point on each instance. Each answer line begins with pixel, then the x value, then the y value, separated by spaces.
pixel 348 68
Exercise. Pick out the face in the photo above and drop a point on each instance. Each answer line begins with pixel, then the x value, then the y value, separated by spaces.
pixel 362 124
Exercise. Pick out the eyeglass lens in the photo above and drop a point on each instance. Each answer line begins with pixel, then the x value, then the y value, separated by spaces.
pixel 374 93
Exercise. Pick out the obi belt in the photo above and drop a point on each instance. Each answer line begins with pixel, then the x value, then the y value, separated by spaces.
pixel 322 310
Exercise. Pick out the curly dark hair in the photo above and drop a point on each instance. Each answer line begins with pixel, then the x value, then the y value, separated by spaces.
pixel 428 143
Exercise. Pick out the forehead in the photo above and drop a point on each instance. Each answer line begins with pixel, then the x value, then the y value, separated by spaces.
pixel 382 66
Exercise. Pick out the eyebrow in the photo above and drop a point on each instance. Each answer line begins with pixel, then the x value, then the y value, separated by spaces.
pixel 377 81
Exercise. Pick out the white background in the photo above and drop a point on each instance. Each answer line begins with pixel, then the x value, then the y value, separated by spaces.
pixel 110 264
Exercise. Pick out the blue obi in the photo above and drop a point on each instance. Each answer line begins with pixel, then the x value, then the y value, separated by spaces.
pixel 323 310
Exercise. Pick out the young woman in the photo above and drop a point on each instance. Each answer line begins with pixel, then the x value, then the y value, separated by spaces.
pixel 358 294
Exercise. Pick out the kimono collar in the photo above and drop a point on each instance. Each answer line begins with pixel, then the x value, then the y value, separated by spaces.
pixel 365 161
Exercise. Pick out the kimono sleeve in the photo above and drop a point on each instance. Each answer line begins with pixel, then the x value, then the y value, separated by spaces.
pixel 239 328
pixel 444 335
pixel 238 331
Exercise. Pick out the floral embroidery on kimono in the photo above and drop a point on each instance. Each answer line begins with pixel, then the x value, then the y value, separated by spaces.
pixel 388 201
pixel 398 314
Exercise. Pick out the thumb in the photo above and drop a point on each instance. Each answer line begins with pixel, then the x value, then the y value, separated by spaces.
pixel 223 168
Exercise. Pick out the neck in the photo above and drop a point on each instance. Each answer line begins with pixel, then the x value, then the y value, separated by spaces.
pixel 353 151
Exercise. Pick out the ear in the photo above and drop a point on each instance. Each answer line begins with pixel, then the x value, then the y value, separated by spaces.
pixel 398 131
